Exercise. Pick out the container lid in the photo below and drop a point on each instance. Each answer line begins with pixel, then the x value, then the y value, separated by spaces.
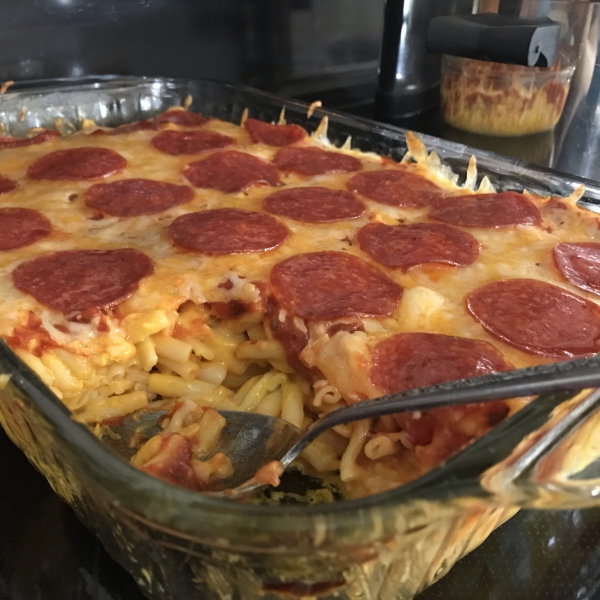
pixel 496 38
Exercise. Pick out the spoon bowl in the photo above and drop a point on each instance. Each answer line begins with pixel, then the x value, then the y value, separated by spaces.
pixel 251 441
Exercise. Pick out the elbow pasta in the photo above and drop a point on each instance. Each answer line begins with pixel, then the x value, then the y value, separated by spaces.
pixel 349 467
pixel 192 370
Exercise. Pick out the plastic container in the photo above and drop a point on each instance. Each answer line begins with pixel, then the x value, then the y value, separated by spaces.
pixel 179 544
pixel 500 99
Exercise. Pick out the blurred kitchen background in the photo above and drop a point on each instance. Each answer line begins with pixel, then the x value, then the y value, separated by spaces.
pixel 308 49
pixel 303 48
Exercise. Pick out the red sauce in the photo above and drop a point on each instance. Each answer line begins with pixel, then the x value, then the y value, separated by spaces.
pixel 291 338
pixel 31 337
pixel 349 327
pixel 440 433
pixel 226 310
pixel 173 462
pixel 226 285
pixel 114 421
pixel 103 326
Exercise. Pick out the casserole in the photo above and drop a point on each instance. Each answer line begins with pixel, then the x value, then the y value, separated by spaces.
pixel 389 545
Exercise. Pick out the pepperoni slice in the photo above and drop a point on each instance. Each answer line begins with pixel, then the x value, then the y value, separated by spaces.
pixel 77 164
pixel 135 197
pixel 227 231
pixel 180 116
pixel 504 209
pixel 190 142
pixel 21 227
pixel 580 264
pixel 7 142
pixel 395 188
pixel 406 246
pixel 76 280
pixel 273 135
pixel 408 361
pixel 329 285
pixel 537 317
pixel 314 205
pixel 314 161
pixel 7 185
pixel 230 171
pixel 414 360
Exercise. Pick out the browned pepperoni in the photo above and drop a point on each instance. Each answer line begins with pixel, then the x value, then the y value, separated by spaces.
pixel 314 205
pixel 7 185
pixel 580 264
pixel 537 317
pixel 227 231
pixel 180 116
pixel 329 285
pixel 406 246
pixel 13 142
pixel 273 135
pixel 31 335
pixel 230 171
pixel 21 227
pixel 408 361
pixel 395 188
pixel 135 197
pixel 487 210
pixel 77 164
pixel 190 142
pixel 314 161
pixel 76 280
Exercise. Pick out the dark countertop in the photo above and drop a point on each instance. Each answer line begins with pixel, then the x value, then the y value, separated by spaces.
pixel 310 49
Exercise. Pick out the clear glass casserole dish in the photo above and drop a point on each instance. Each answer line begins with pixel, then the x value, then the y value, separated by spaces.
pixel 178 543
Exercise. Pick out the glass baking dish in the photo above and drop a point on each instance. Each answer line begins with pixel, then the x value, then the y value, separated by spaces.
pixel 179 544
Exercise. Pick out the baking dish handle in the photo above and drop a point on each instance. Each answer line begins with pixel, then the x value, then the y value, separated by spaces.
pixel 558 466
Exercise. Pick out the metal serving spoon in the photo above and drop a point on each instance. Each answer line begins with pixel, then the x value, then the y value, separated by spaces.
pixel 251 441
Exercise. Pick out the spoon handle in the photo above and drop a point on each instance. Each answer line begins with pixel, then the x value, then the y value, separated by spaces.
pixel 569 375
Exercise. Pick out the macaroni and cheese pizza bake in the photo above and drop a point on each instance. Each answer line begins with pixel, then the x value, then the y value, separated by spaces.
pixel 188 264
